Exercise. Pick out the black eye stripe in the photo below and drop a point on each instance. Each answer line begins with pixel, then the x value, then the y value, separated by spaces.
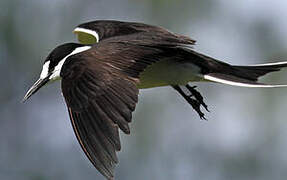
pixel 59 53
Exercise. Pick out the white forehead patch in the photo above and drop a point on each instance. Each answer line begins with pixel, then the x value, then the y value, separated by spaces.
pixel 45 70
pixel 56 72
pixel 88 31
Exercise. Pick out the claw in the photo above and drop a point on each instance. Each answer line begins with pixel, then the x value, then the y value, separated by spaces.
pixel 197 96
pixel 195 103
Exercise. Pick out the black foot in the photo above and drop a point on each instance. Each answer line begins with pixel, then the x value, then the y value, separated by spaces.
pixel 197 96
pixel 194 99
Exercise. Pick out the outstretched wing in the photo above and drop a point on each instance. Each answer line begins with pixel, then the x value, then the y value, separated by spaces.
pixel 99 87
pixel 95 31
pixel 99 101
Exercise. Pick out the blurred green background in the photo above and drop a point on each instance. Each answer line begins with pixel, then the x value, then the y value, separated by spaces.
pixel 245 137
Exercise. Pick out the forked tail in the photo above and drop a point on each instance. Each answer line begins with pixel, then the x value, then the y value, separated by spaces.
pixel 246 76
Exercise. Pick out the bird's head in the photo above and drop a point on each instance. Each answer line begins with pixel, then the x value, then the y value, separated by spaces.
pixel 53 64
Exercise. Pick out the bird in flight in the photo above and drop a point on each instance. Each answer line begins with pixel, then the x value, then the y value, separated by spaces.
pixel 101 77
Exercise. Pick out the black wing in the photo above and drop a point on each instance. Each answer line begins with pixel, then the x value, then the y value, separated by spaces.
pixel 110 29
pixel 99 102
pixel 99 86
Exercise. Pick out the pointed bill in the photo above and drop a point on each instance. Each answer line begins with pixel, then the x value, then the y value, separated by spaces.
pixel 36 86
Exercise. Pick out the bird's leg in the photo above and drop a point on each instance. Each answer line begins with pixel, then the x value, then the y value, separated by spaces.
pixel 197 96
pixel 195 103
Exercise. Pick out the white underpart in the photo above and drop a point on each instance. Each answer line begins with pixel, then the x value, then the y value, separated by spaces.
pixel 215 79
pixel 56 72
pixel 270 64
pixel 88 31
pixel 169 72
pixel 45 70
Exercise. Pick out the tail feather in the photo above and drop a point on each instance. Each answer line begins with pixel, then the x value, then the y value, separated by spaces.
pixel 247 76
pixel 235 81
pixel 275 65
pixel 253 72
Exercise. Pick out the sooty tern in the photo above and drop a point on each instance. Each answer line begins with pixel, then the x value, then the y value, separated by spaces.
pixel 101 78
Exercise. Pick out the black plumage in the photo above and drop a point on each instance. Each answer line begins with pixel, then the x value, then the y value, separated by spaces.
pixel 137 32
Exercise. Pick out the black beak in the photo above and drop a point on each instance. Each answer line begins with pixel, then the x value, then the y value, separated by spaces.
pixel 36 86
